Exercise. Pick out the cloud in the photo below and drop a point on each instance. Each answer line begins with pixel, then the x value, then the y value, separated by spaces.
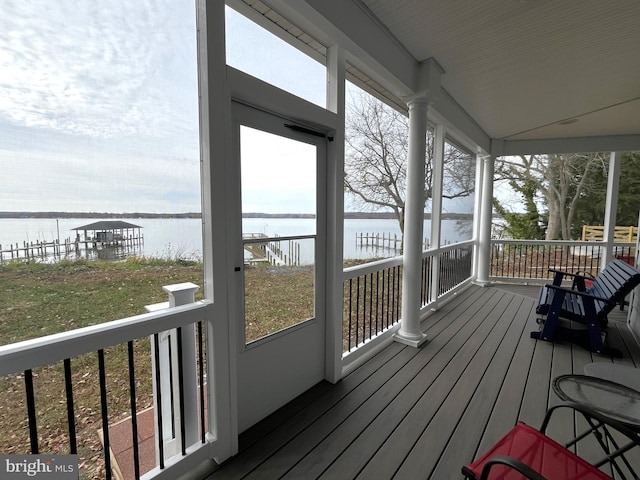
pixel 99 109
pixel 80 183
pixel 85 68
pixel 98 106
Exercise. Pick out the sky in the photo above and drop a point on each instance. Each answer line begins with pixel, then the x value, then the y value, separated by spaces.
pixel 99 112
pixel 98 107
pixel 285 183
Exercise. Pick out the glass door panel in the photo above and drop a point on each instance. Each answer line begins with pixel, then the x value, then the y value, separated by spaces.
pixel 279 205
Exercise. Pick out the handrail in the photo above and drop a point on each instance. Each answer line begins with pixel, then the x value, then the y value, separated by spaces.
pixel 450 246
pixel 178 379
pixel 373 291
pixel 532 259
pixel 371 267
pixel 28 354
pixel 569 243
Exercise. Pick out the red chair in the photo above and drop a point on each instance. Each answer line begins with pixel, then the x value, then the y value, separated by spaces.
pixel 525 452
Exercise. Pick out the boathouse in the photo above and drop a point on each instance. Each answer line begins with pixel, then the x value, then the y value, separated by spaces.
pixel 109 232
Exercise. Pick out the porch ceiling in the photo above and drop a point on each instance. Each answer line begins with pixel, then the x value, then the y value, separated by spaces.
pixel 521 70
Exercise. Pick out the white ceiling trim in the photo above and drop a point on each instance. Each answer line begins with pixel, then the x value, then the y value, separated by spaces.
pixel 508 64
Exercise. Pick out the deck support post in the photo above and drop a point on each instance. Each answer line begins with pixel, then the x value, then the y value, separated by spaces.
pixel 172 415
pixel 486 214
pixel 184 294
pixel 436 209
pixel 410 332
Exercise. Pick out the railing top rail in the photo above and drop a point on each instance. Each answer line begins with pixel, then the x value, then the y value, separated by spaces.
pixel 21 356
pixel 569 243
pixel 443 248
pixel 364 269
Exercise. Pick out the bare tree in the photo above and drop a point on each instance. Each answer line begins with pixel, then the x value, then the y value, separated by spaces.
pixel 569 178
pixel 376 159
pixel 561 180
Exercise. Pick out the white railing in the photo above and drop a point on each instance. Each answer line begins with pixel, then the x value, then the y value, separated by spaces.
pixel 373 291
pixel 23 358
pixel 530 260
pixel 372 298
pixel 444 271
pixel 170 416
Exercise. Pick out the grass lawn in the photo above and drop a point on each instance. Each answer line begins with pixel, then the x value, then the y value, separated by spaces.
pixel 38 299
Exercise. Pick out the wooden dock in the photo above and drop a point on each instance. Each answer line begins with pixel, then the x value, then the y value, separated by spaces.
pixel 383 240
pixel 67 247
pixel 36 249
pixel 272 251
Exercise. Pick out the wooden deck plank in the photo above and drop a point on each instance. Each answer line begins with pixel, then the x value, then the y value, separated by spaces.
pixel 252 457
pixel 582 357
pixel 464 441
pixel 423 413
pixel 562 428
pixel 506 409
pixel 349 393
pixel 470 401
pixel 276 420
pixel 536 393
pixel 340 436
pixel 372 437
pixel 374 379
pixel 620 334
pixel 392 453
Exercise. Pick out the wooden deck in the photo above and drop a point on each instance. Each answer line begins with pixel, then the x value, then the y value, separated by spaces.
pixel 422 413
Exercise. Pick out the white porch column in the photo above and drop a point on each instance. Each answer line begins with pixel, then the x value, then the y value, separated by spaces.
pixel 477 207
pixel 410 333
pixel 613 184
pixel 486 217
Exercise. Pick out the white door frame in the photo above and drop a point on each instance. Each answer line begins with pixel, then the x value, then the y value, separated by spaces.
pixel 274 370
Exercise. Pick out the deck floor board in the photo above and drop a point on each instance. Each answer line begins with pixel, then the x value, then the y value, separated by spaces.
pixel 423 413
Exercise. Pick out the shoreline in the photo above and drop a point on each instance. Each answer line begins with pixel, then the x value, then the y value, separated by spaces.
pixel 197 215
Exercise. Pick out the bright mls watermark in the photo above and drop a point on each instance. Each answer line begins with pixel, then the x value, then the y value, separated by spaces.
pixel 50 467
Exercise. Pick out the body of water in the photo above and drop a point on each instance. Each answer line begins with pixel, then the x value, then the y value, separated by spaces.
pixel 182 237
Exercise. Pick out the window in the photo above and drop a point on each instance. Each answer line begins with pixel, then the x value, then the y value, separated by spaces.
pixel 98 118
pixel 256 51
pixel 376 146
pixel 458 188
pixel 98 123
